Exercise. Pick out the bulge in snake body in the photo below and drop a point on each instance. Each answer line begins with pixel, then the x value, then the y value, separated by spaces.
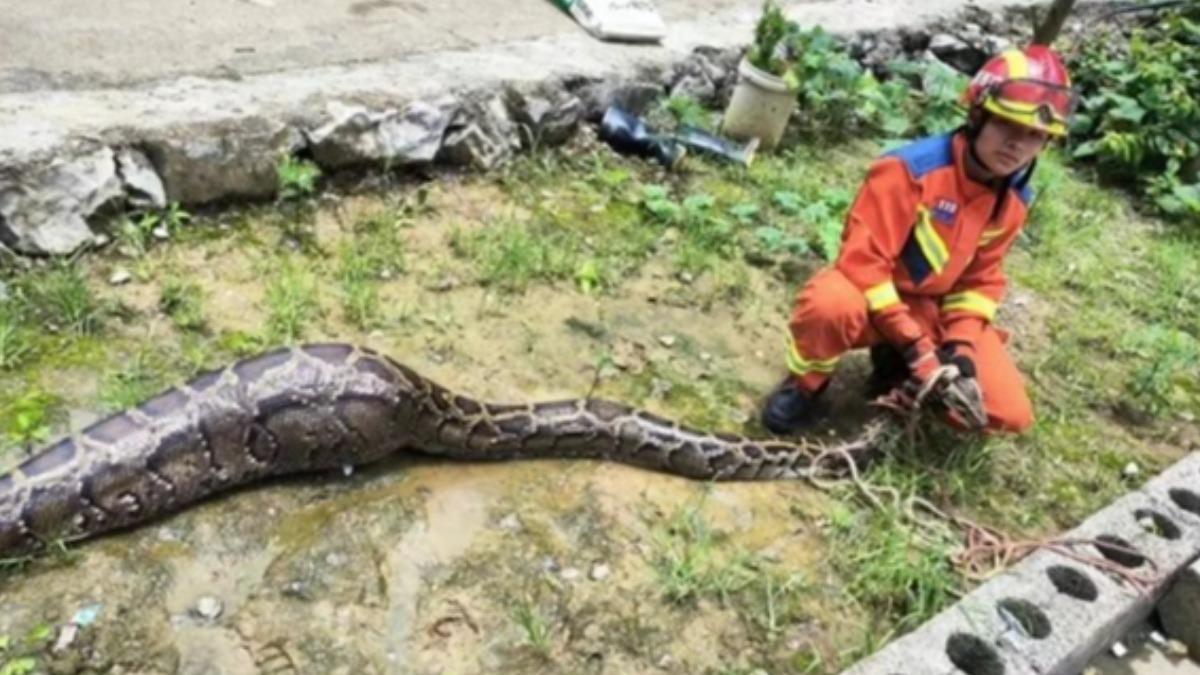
pixel 325 406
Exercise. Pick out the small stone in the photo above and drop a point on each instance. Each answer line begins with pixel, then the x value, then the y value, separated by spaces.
pixel 686 277
pixel 347 470
pixel 666 661
pixel 510 522
pixel 600 572
pixel 161 232
pixel 1119 650
pixel 1176 648
pixel 208 607
pixel 706 357
pixel 570 574
pixel 667 341
pixel 101 240
pixel 1131 470
pixel 297 589
pixel 119 277
pixel 66 636
pixel 335 560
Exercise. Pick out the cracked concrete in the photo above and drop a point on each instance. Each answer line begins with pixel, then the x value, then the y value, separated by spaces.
pixel 213 98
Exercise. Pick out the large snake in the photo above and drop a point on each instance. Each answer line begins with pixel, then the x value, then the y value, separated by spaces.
pixel 323 406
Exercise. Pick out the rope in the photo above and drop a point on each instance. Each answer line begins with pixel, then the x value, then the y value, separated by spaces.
pixel 985 551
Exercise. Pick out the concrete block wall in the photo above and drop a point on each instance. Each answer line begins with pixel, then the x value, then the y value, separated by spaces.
pixel 1052 613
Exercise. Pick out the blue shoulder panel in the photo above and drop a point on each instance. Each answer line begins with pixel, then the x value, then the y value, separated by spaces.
pixel 1022 184
pixel 925 155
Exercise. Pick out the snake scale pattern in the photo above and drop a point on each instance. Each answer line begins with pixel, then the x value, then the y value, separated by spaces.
pixel 324 406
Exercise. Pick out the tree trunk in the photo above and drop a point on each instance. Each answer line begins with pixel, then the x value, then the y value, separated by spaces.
pixel 1053 22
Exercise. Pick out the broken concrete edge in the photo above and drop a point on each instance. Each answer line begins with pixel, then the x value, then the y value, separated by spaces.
pixel 53 194
pixel 1052 613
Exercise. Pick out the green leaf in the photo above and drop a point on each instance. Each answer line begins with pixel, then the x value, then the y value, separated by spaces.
pixel 21 666
pixel 788 202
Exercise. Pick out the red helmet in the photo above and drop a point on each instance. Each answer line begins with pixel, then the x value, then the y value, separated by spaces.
pixel 1030 87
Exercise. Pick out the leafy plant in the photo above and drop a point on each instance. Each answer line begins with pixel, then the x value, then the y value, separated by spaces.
pixel 1139 118
pixel 297 177
pixel 28 418
pixel 1166 377
pixel 686 110
pixel 828 85
pixel 770 50
pixel 825 215
pixel 136 230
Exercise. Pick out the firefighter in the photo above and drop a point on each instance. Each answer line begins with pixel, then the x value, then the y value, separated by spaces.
pixel 918 277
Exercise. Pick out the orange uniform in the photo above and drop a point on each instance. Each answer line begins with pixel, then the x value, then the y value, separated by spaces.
pixel 921 257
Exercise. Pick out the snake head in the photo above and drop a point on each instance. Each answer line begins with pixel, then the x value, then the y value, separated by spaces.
pixel 963 399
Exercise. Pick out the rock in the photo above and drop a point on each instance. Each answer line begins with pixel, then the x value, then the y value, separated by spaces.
pixel 44 209
pixel 142 183
pixel 545 120
pixel 227 160
pixel 957 53
pixel 356 136
pixel 634 96
pixel 570 574
pixel 697 87
pixel 1131 470
pixel 208 608
pixel 667 341
pixel 298 590
pixel 481 135
pixel 161 233
pixel 66 636
pixel 600 572
pixel 510 522
pixel 119 276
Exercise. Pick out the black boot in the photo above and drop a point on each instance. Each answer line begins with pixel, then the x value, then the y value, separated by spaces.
pixel 888 370
pixel 628 134
pixel 789 408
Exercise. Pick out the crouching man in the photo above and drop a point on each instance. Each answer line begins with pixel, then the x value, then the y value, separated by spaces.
pixel 918 277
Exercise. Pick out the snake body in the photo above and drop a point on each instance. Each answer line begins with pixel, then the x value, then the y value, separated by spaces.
pixel 323 406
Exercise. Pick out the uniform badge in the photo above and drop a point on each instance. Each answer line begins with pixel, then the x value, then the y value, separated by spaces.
pixel 944 211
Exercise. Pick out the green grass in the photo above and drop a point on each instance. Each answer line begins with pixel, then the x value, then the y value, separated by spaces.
pixel 292 300
pixel 183 301
pixel 535 629
pixel 891 568
pixel 28 418
pixel 62 301
pixel 695 563
pixel 138 376
pixel 374 253
pixel 15 342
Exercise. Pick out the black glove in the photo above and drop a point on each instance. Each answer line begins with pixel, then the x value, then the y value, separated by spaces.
pixel 960 354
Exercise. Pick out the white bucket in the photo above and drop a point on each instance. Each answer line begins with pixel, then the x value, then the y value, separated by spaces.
pixel 760 107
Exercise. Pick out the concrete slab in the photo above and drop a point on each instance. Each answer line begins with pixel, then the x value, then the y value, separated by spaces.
pixel 57 44
pixel 1053 613
pixel 61 67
